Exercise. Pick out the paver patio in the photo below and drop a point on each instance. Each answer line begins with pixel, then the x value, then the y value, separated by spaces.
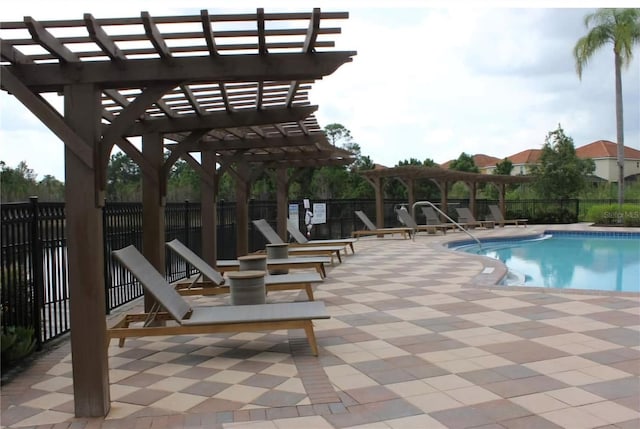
pixel 419 338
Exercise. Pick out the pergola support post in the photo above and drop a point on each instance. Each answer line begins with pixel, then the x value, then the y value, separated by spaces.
pixel 242 209
pixel 444 198
pixel 282 191
pixel 377 185
pixel 153 207
pixel 502 190
pixel 410 185
pixel 85 249
pixel 473 188
pixel 208 213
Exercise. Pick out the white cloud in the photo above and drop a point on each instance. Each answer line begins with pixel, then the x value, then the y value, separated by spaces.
pixel 430 80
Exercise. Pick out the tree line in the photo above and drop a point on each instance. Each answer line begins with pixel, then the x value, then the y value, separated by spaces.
pixel 559 174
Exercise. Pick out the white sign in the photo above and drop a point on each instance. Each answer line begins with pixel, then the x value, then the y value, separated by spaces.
pixel 306 203
pixel 294 215
pixel 319 213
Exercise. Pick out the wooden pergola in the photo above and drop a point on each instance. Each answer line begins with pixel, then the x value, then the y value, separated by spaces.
pixel 443 178
pixel 231 89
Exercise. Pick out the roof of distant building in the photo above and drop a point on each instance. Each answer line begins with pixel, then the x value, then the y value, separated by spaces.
pixel 605 149
pixel 529 156
pixel 480 160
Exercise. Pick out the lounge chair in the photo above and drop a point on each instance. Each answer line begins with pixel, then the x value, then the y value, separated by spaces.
pixel 299 262
pixel 496 214
pixel 301 239
pixel 466 217
pixel 210 282
pixel 433 219
pixel 408 220
pixel 371 229
pixel 300 250
pixel 182 319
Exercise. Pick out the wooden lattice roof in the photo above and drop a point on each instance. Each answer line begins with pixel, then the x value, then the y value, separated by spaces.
pixel 237 82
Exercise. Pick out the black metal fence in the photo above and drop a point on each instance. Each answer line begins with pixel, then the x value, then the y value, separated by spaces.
pixel 33 276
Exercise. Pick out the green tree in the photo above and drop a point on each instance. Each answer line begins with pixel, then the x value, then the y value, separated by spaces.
pixel 123 179
pixel 18 184
pixel 50 189
pixel 183 182
pixel 357 186
pixel 337 133
pixel 464 162
pixel 620 28
pixel 504 167
pixel 424 189
pixel 560 173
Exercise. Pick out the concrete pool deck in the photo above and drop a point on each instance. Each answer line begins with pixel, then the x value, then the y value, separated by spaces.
pixel 420 337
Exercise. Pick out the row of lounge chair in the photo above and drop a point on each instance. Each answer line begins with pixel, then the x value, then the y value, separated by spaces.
pixel 465 220
pixel 173 315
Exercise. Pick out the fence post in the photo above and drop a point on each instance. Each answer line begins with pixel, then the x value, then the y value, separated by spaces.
pixel 37 274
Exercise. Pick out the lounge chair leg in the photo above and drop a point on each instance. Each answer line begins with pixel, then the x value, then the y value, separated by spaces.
pixel 352 249
pixel 339 257
pixel 311 337
pixel 309 290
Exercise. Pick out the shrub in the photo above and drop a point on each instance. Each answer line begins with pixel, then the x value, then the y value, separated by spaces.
pixel 554 215
pixel 16 343
pixel 613 214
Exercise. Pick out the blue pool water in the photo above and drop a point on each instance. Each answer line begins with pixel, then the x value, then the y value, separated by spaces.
pixel 609 262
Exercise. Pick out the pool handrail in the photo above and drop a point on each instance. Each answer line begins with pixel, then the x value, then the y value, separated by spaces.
pixel 460 227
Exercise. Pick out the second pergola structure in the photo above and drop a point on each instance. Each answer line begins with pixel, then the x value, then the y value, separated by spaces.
pixel 443 178
pixel 229 88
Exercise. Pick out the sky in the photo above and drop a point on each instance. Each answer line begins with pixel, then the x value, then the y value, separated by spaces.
pixel 431 79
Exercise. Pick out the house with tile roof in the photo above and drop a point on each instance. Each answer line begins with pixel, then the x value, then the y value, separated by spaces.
pixel 605 155
pixel 485 163
pixel 522 162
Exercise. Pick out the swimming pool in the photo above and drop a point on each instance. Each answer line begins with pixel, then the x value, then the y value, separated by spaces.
pixel 567 260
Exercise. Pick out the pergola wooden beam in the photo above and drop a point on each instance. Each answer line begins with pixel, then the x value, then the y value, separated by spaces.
pixel 220 120
pixel 227 68
pixel 49 42
pixel 100 38
pixel 156 38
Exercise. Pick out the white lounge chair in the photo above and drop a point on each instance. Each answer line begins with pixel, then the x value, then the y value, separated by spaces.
pixel 371 229
pixel 180 318
pixel 497 216
pixel 434 219
pixel 408 220
pixel 301 239
pixel 466 217
pixel 300 250
pixel 211 282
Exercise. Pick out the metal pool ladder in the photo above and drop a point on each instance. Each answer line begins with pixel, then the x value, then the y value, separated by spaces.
pixel 460 227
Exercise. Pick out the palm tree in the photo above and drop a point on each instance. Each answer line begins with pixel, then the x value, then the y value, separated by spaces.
pixel 621 28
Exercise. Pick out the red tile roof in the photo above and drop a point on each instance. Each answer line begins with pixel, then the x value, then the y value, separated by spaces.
pixel 480 160
pixel 605 149
pixel 529 156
